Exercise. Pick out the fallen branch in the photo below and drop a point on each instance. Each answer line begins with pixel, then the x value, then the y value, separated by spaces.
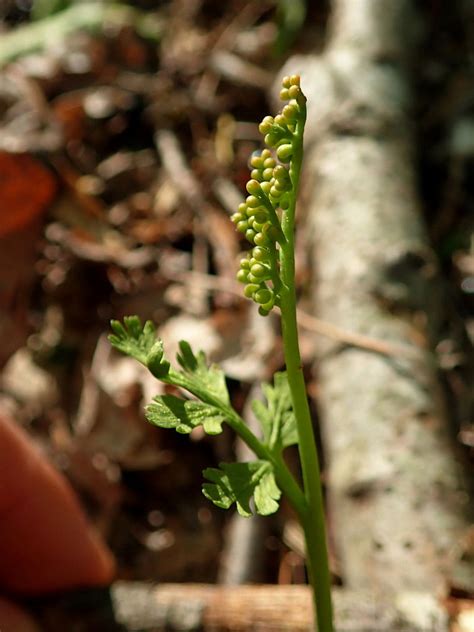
pixel 397 499
pixel 141 607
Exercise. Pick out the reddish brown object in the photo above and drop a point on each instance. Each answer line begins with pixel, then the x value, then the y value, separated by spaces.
pixel 46 543
pixel 14 619
pixel 26 189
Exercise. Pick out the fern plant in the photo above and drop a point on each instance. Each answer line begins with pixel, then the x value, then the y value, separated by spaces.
pixel 267 219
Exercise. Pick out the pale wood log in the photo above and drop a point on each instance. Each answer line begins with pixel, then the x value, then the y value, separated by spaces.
pixel 142 607
pixel 266 608
pixel 398 503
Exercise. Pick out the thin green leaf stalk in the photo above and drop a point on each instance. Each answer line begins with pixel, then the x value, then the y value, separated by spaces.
pixel 284 477
pixel 313 522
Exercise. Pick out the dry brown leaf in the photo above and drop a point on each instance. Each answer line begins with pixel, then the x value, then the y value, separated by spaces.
pixel 26 189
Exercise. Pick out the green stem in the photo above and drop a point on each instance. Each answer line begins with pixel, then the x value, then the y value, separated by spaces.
pixel 313 520
pixel 273 216
pixel 283 476
pixel 275 278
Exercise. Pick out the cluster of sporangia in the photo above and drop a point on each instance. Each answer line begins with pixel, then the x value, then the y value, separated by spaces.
pixel 270 191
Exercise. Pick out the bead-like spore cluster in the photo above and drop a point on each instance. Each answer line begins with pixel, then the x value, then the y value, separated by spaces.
pixel 270 192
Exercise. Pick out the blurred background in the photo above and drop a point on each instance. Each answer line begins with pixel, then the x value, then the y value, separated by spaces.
pixel 125 133
pixel 124 138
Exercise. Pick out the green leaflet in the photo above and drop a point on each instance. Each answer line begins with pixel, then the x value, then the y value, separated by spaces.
pixel 140 343
pixel 168 411
pixel 238 482
pixel 207 383
pixel 276 417
pixel 133 339
pixel 201 377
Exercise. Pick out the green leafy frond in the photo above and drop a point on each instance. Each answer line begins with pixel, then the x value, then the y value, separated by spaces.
pixel 276 417
pixel 200 375
pixel 238 482
pixel 168 411
pixel 140 342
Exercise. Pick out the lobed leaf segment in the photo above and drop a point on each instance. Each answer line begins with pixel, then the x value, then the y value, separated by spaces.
pixel 140 343
pixel 271 193
pixel 238 483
